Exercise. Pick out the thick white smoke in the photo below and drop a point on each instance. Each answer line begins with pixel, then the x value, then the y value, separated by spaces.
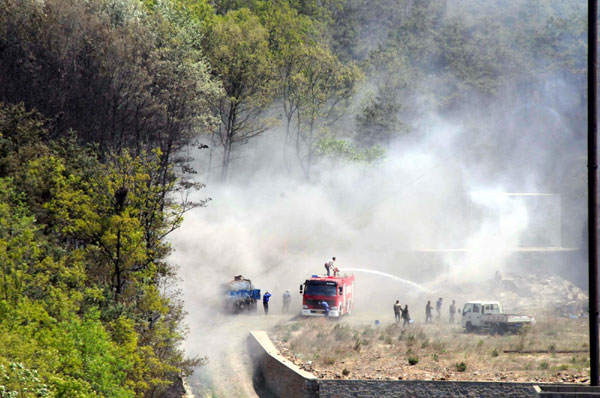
pixel 439 210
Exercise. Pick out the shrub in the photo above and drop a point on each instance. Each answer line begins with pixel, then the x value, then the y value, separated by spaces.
pixel 328 360
pixel 17 378
pixel 544 365
pixel 368 331
pixel 438 346
pixel 345 372
pixel 413 360
pixel 461 367
pixel 495 353
pixel 341 333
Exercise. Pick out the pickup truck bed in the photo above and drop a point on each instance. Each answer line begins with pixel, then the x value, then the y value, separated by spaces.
pixel 503 323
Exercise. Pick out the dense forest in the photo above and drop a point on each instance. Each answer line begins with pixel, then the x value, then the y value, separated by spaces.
pixel 101 100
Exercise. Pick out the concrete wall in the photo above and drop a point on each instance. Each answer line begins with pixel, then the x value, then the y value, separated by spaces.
pixel 422 389
pixel 280 376
pixel 567 391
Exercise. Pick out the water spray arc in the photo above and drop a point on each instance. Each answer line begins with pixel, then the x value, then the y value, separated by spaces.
pixel 397 278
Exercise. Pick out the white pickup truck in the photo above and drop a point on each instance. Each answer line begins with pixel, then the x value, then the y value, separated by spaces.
pixel 488 316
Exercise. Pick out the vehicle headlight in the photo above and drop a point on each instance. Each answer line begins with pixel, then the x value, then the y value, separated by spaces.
pixel 305 307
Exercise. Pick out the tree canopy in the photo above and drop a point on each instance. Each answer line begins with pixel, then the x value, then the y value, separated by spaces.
pixel 102 102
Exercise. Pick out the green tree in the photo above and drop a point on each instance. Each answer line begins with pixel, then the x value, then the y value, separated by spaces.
pixel 337 150
pixel 101 246
pixel 120 75
pixel 18 250
pixel 20 382
pixel 321 88
pixel 290 34
pixel 238 50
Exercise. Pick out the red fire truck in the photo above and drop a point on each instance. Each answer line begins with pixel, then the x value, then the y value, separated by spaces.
pixel 337 291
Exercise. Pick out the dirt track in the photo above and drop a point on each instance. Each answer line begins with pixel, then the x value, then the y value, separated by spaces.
pixel 229 371
pixel 223 339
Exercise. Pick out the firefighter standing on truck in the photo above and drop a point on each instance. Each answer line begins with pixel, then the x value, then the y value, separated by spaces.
pixel 329 266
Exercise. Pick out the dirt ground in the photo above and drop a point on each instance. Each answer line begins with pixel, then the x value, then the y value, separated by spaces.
pixel 228 372
pixel 355 348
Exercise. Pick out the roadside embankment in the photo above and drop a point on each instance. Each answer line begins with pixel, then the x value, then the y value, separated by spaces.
pixel 279 375
pixel 284 379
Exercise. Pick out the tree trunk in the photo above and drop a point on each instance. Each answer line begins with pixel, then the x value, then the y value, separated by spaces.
pixel 226 157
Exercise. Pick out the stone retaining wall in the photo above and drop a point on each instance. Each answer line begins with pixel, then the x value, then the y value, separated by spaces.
pixel 280 376
pixel 422 389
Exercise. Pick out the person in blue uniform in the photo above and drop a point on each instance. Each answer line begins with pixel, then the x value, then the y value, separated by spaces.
pixel 266 298
pixel 325 308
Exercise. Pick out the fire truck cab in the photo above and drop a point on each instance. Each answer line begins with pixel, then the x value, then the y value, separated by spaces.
pixel 337 291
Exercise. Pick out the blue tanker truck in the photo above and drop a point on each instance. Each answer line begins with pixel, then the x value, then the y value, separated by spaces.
pixel 240 295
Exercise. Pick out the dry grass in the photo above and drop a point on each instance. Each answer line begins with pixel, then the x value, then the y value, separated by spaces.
pixel 435 352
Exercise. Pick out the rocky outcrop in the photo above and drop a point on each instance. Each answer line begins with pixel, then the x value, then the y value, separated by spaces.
pixel 547 293
pixel 179 389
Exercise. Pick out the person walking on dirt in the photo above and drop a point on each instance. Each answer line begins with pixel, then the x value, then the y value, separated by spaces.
pixel 405 316
pixel 397 310
pixel 452 311
pixel 266 298
pixel 325 305
pixel 287 298
pixel 438 309
pixel 329 266
pixel 428 312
